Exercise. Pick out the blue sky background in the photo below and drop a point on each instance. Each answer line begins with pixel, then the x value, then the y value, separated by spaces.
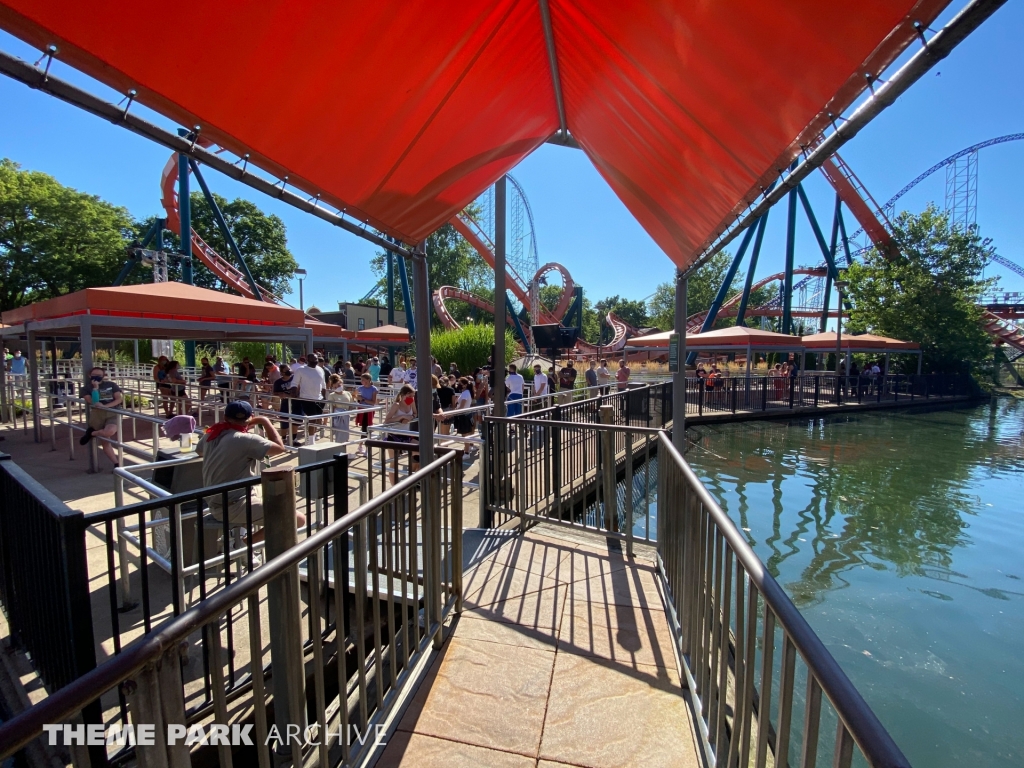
pixel 579 221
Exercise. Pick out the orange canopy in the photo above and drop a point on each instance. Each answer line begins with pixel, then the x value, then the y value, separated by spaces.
pixel 402 111
pixel 384 333
pixel 653 340
pixel 159 301
pixel 865 341
pixel 741 336
pixel 327 330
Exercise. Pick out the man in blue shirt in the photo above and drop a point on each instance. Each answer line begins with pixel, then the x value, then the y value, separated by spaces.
pixel 17 364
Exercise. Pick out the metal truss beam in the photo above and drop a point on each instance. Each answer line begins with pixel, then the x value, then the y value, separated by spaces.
pixel 975 13
pixel 24 72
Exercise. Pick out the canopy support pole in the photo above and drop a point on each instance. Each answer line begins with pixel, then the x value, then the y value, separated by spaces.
pixel 86 383
pixel 679 377
pixel 424 391
pixel 185 233
pixel 500 295
pixel 391 286
pixel 556 79
pixel 742 311
pixel 787 283
pixel 33 378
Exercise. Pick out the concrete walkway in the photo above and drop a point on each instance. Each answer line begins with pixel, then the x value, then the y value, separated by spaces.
pixel 562 656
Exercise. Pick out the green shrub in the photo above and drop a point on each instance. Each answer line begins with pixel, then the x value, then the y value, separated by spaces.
pixel 468 347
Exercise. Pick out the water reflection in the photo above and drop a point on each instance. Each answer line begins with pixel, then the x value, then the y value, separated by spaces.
pixel 884 491
pixel 900 536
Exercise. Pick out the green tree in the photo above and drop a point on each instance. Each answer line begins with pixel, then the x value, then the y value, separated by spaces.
pixel 701 289
pixel 261 238
pixel 631 311
pixel 54 239
pixel 928 293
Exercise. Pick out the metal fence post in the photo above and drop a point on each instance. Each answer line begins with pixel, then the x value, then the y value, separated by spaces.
pixel 144 703
pixel 283 607
pixel 556 460
pixel 607 469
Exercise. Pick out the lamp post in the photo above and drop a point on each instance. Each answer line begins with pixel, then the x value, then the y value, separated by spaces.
pixel 840 286
pixel 302 276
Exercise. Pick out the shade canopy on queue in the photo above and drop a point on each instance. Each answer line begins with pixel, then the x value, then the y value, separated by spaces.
pixel 158 311
pixel 688 110
pixel 384 335
pixel 864 342
pixel 733 339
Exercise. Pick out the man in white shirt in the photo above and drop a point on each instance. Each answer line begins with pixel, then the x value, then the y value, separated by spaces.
pixel 514 384
pixel 604 376
pixel 540 386
pixel 309 380
pixel 397 376
pixel 412 375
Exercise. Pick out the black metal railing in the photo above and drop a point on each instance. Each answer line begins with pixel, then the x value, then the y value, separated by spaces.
pixel 363 597
pixel 595 476
pixel 44 579
pixel 761 681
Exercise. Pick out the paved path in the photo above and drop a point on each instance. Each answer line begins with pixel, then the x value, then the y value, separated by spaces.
pixel 562 656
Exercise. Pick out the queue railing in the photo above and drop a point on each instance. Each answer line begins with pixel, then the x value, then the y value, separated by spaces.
pixel 765 688
pixel 351 613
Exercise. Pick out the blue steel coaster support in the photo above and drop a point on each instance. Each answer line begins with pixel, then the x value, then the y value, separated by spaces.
pixel 158 224
pixel 741 312
pixel 833 244
pixel 403 277
pixel 218 216
pixel 390 257
pixel 723 291
pixel 825 251
pixel 516 324
pixel 185 214
pixel 787 283
pixel 846 240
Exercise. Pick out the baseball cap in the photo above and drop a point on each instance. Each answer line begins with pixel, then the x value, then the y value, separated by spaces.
pixel 238 410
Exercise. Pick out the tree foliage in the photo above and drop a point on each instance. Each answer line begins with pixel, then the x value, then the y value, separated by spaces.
pixel 262 239
pixel 54 239
pixel 631 311
pixel 928 293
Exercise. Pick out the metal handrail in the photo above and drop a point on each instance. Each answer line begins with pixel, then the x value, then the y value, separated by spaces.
pixel 58 707
pixel 863 725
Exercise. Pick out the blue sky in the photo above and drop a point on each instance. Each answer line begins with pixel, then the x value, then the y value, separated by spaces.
pixel 579 221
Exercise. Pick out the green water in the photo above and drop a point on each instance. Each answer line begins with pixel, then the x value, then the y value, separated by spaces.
pixel 901 538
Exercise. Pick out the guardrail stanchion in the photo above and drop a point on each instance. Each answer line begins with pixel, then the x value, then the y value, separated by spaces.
pixel 606 467
pixel 283 605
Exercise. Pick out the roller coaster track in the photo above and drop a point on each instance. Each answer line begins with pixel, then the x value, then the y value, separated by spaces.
pixel 225 271
pixel 772 309
pixel 1002 331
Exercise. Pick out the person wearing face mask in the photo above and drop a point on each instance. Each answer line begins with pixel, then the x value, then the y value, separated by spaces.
pixel 18 366
pixel 403 414
pixel 102 394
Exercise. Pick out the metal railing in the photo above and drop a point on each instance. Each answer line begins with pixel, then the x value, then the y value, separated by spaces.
pixel 763 684
pixel 374 586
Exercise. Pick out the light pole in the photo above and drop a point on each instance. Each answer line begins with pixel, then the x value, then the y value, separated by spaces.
pixel 840 285
pixel 302 276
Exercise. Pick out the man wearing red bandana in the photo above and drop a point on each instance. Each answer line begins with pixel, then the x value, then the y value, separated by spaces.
pixel 230 452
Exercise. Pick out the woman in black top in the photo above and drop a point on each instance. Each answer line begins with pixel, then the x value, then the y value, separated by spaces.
pixel 446 396
pixel 286 388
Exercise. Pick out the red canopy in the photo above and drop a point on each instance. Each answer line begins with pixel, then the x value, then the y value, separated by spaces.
pixel 159 301
pixel 403 111
pixel 865 341
pixel 384 333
